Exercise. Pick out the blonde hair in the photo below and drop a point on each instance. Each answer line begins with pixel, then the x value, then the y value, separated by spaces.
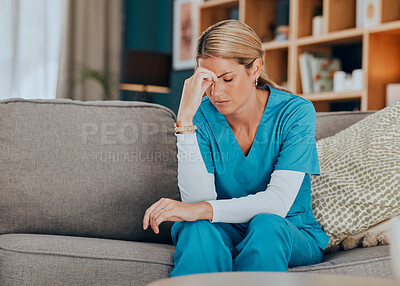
pixel 233 39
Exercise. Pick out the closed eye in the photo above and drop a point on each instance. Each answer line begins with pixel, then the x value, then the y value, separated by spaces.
pixel 227 80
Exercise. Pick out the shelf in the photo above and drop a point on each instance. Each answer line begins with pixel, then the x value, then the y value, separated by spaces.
pixel 348 36
pixel 331 95
pixel 387 27
pixel 275 45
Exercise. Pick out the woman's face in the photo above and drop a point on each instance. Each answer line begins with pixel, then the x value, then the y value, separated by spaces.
pixel 234 87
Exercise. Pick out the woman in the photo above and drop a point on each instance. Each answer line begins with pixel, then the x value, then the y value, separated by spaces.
pixel 244 166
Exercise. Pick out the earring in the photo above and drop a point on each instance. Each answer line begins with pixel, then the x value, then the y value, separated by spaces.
pixel 255 83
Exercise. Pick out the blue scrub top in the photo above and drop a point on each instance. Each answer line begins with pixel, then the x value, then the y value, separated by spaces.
pixel 284 141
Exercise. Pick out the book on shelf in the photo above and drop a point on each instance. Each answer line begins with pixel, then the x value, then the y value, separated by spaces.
pixel 305 72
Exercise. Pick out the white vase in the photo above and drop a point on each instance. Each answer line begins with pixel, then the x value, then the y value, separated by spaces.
pixel 395 247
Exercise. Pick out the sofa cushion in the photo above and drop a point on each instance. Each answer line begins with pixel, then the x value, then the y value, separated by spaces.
pixel 27 259
pixel 370 262
pixel 360 175
pixel 85 168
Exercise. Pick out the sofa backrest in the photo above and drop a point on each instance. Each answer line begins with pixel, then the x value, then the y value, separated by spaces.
pixel 330 123
pixel 85 168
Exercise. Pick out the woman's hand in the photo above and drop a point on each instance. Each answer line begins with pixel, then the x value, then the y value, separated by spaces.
pixel 192 93
pixel 172 210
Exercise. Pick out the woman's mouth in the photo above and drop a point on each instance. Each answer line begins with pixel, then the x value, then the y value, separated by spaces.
pixel 222 102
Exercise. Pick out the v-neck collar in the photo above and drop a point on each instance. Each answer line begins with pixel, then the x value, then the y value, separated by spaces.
pixel 237 145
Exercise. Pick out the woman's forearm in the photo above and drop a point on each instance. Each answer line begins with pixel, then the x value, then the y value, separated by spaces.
pixel 194 182
pixel 276 199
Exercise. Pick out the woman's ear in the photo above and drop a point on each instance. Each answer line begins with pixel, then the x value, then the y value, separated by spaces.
pixel 256 68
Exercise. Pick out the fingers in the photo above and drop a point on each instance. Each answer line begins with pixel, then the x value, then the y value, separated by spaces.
pixel 206 80
pixel 210 78
pixel 165 216
pixel 146 218
pixel 207 74
pixel 163 212
pixel 157 213
pixel 193 91
pixel 159 217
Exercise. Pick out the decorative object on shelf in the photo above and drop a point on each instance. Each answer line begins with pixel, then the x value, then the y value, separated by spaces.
pixel 322 71
pixel 145 72
pixel 368 13
pixel 281 33
pixel 395 247
pixel 317 72
pixel 317 21
pixel 392 93
pixel 185 27
pixel 348 82
pixel 282 21
pixel 317 25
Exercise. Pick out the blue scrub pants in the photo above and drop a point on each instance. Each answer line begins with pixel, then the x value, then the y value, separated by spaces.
pixel 266 243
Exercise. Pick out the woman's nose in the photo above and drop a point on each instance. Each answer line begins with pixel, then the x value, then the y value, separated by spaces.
pixel 217 89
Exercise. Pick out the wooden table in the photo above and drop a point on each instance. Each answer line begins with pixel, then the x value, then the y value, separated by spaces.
pixel 271 278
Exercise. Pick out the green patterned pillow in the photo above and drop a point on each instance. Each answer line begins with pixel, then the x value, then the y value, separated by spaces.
pixel 359 184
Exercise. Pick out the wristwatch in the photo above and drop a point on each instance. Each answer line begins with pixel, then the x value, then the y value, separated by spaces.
pixel 189 128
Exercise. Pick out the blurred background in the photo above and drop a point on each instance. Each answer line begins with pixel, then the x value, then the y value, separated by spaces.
pixel 341 55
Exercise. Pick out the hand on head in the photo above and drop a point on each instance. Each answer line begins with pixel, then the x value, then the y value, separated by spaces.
pixel 193 90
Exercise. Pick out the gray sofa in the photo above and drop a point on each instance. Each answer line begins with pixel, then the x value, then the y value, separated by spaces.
pixel 76 178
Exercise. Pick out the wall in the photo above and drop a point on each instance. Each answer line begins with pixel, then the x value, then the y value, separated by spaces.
pixel 148 26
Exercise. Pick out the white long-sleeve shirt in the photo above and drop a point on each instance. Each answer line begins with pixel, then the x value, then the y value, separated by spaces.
pixel 196 184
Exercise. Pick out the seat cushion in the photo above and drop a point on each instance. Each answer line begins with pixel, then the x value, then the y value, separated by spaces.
pixel 29 259
pixel 370 262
